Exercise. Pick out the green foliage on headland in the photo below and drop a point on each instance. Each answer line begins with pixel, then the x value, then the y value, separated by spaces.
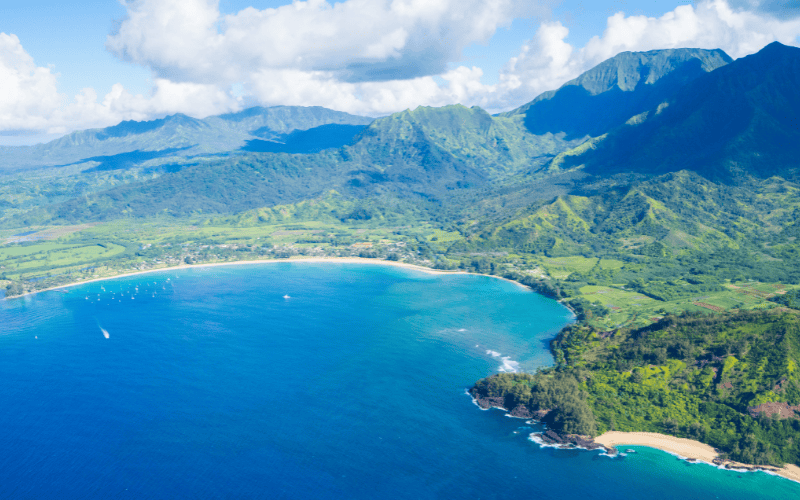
pixel 702 377
pixel 557 393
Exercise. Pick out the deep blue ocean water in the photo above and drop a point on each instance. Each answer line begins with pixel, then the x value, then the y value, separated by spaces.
pixel 297 380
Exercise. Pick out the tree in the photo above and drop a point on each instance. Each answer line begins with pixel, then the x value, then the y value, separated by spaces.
pixel 14 288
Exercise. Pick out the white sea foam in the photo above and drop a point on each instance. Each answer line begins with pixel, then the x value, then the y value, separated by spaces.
pixel 535 437
pixel 462 329
pixel 509 365
pixel 475 402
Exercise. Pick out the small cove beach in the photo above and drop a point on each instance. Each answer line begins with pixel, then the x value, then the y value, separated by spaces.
pixel 687 449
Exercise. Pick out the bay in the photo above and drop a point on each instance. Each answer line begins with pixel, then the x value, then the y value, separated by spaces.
pixel 297 380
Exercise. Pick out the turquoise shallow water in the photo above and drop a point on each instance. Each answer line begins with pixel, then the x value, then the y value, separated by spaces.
pixel 213 384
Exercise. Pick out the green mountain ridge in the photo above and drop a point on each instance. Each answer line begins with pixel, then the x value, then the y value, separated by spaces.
pixel 737 121
pixel 615 90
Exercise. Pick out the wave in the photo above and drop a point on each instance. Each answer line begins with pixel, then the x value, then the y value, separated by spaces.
pixel 475 402
pixel 534 436
pixel 508 366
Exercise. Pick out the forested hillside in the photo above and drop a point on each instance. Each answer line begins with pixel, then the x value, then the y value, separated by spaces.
pixel 729 380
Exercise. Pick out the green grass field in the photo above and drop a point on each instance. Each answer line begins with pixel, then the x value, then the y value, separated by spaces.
pixel 562 267
pixel 40 259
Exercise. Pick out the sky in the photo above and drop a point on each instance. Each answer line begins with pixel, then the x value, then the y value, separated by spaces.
pixel 71 66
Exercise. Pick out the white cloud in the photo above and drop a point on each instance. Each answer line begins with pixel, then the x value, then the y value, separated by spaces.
pixel 31 104
pixel 166 98
pixel 547 60
pixel 378 56
pixel 358 40
pixel 28 93
pixel 368 57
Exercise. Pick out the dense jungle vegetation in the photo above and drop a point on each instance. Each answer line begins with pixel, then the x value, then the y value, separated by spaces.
pixel 703 377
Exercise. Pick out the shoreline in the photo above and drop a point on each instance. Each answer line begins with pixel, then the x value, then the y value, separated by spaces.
pixel 691 450
pixel 340 260
pixel 683 448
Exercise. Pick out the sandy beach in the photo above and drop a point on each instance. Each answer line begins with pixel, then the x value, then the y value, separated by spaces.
pixel 685 448
pixel 335 260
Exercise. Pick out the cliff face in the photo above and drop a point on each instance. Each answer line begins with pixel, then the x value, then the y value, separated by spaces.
pixel 739 120
pixel 615 90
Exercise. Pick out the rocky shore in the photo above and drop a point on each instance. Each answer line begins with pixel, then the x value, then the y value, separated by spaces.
pixel 548 437
pixel 690 450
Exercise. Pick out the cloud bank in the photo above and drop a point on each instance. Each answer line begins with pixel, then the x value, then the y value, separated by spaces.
pixel 368 57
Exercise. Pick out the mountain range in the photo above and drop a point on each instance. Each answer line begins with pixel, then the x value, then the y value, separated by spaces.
pixel 181 136
pixel 621 152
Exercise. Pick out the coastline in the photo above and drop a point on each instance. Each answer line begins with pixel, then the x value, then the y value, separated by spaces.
pixel 685 449
pixel 689 449
pixel 340 260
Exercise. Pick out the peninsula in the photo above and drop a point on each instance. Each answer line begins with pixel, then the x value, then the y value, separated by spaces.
pixel 699 386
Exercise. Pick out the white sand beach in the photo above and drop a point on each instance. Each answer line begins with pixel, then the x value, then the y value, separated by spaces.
pixel 335 260
pixel 685 448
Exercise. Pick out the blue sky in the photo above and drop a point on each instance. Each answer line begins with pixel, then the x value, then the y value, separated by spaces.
pixel 65 67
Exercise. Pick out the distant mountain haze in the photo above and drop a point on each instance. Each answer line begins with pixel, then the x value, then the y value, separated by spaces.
pixel 215 134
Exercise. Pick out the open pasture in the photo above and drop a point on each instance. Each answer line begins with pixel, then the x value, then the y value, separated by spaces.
pixel 17 261
pixel 561 267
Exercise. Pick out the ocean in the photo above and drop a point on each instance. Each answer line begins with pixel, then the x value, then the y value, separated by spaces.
pixel 298 380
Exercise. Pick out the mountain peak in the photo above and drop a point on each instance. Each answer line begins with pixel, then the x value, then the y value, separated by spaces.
pixel 737 121
pixel 627 70
pixel 778 47
pixel 617 89
pixel 772 54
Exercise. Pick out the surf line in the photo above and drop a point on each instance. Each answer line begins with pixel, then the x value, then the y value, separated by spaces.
pixel 508 366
